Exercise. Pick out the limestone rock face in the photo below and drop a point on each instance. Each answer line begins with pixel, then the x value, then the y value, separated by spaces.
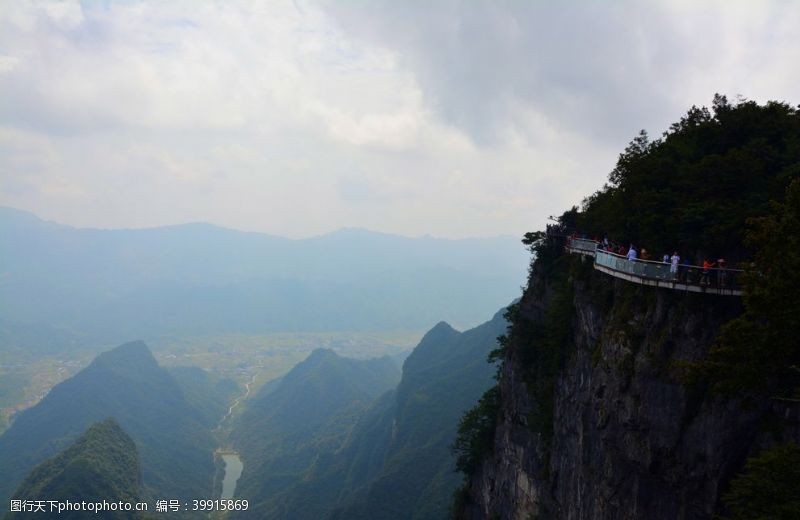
pixel 630 437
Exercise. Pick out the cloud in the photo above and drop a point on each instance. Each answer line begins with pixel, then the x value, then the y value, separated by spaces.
pixel 450 117
pixel 598 68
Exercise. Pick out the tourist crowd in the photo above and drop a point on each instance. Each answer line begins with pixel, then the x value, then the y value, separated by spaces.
pixel 710 272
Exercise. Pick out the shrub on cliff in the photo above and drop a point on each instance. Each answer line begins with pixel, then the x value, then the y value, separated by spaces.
pixel 767 489
pixel 476 432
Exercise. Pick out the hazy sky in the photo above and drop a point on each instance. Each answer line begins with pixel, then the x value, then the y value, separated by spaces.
pixel 455 118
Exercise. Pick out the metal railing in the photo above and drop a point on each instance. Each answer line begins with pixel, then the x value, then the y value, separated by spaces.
pixel 646 272
pixel 582 245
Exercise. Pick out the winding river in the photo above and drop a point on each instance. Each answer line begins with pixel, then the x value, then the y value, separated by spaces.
pixel 233 464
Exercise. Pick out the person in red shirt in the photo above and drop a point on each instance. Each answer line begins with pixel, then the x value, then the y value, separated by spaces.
pixel 707 266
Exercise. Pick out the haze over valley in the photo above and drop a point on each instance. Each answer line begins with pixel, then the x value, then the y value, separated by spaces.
pixel 243 305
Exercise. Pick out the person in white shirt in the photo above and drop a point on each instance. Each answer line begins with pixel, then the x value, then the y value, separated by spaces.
pixel 632 253
pixel 673 267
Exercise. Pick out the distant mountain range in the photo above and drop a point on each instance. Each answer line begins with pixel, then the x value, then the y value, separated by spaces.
pixel 61 284
pixel 324 444
pixel 172 435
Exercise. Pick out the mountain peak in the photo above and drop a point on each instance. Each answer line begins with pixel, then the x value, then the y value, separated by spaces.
pixel 109 425
pixel 7 212
pixel 137 346
pixel 131 356
pixel 129 350
pixel 356 233
pixel 440 331
pixel 321 353
pixel 102 463
pixel 11 218
pixel 433 343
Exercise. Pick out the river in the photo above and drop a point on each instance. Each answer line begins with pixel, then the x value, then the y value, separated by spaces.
pixel 233 470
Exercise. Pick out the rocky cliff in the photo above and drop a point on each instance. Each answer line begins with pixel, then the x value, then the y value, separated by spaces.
pixel 612 428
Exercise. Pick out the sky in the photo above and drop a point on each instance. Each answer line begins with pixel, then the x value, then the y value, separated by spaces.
pixel 295 118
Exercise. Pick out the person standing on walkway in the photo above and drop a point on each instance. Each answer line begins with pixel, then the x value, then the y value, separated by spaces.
pixel 673 266
pixel 632 253
pixel 707 266
pixel 722 275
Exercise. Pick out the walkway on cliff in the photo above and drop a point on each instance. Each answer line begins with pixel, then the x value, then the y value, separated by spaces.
pixel 690 278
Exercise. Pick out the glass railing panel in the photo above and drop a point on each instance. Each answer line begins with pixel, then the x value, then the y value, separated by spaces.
pixel 692 275
pixel 583 244
pixel 723 279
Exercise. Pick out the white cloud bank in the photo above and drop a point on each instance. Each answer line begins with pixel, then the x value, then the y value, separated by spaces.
pixel 455 118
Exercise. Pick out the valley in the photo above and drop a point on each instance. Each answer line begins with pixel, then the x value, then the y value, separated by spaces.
pixel 314 426
pixel 26 377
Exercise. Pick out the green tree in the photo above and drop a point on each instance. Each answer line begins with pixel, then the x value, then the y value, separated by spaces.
pixel 769 487
pixel 760 349
pixel 695 187
pixel 476 432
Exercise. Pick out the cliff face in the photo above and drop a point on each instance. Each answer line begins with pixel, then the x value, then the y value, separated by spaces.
pixel 629 437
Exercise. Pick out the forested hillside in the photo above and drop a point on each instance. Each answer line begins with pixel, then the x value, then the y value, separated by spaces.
pixel 441 378
pixel 101 465
pixel 172 437
pixel 208 393
pixel 307 416
pixel 384 457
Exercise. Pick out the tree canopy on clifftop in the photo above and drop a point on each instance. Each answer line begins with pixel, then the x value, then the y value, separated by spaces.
pixel 695 187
